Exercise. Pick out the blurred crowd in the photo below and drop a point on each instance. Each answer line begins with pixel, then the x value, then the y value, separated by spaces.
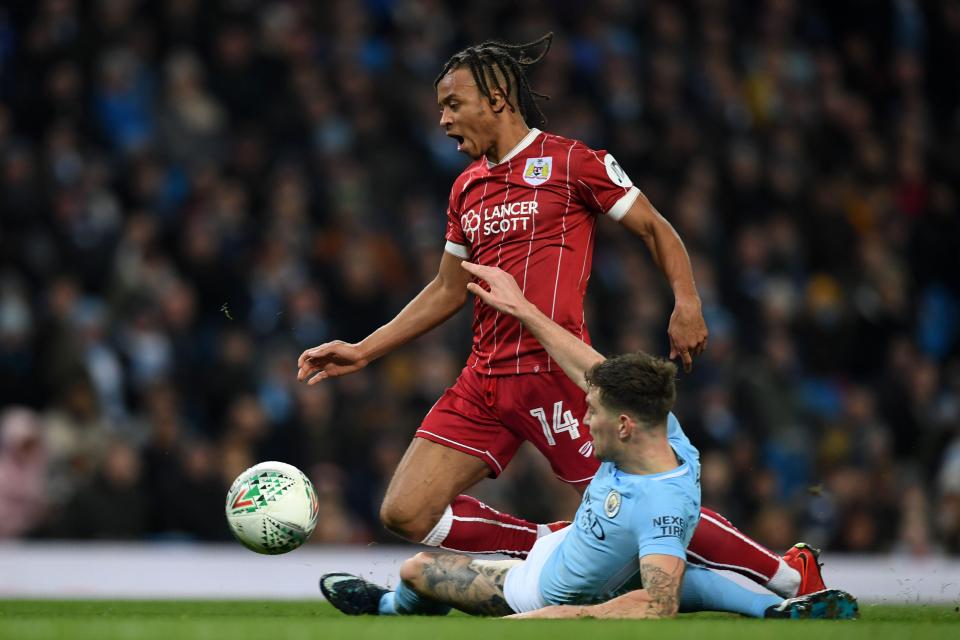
pixel 192 192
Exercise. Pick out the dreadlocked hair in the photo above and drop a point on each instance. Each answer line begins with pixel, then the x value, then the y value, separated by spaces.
pixel 498 66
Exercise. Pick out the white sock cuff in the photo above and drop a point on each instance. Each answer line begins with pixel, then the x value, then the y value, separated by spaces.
pixel 441 530
pixel 785 582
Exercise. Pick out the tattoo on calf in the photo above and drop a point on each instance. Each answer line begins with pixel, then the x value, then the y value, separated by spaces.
pixel 473 586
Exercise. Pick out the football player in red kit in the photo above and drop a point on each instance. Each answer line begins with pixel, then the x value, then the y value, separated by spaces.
pixel 529 203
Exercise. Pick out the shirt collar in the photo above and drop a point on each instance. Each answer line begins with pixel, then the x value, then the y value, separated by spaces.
pixel 523 144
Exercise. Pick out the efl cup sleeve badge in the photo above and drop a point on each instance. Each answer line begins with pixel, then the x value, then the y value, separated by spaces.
pixel 616 173
pixel 538 170
pixel 611 506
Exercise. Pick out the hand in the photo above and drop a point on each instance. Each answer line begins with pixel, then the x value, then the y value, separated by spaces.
pixel 552 612
pixel 687 331
pixel 504 295
pixel 329 360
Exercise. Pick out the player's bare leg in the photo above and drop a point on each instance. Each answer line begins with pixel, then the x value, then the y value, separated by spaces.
pixel 424 504
pixel 473 586
pixel 426 481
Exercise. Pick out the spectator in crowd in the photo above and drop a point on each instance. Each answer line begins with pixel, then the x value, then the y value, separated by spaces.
pixel 190 192
pixel 23 469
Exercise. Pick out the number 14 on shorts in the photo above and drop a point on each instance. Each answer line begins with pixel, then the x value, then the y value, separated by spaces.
pixel 563 421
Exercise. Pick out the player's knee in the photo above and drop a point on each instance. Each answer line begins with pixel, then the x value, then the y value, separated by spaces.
pixel 413 523
pixel 412 569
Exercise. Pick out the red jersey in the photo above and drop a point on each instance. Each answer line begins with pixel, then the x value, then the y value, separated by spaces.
pixel 534 215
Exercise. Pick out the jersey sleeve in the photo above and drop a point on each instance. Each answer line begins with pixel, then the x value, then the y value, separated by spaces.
pixel 664 524
pixel 457 242
pixel 603 184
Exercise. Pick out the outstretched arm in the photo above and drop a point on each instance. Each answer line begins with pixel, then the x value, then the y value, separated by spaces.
pixel 662 576
pixel 434 304
pixel 687 330
pixel 574 356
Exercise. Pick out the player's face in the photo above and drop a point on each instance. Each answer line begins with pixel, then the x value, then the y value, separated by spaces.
pixel 604 426
pixel 465 113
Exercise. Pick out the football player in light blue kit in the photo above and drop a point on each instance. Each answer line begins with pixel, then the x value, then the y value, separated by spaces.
pixel 623 516
pixel 624 556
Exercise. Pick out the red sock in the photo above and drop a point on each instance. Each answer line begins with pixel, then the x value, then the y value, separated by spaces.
pixel 471 526
pixel 718 544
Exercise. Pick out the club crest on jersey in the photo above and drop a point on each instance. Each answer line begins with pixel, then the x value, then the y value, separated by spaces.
pixel 611 506
pixel 538 170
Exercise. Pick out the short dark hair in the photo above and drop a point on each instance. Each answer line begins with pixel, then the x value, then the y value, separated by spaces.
pixel 636 383
pixel 500 66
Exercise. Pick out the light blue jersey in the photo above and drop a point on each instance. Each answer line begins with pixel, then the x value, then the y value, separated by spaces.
pixel 622 518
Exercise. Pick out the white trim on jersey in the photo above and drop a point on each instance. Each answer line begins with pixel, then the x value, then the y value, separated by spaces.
pixel 618 210
pixel 496 523
pixel 730 567
pixel 483 452
pixel 440 530
pixel 457 249
pixel 735 532
pixel 682 471
pixel 523 144
pixel 506 196
pixel 590 189
pixel 526 265
pixel 476 358
pixel 562 479
pixel 581 284
pixel 563 235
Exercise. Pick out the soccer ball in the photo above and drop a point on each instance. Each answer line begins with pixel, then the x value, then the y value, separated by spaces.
pixel 272 508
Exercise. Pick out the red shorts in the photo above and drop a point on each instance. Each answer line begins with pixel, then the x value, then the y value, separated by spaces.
pixel 489 417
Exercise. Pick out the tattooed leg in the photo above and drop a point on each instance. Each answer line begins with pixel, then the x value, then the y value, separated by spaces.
pixel 473 586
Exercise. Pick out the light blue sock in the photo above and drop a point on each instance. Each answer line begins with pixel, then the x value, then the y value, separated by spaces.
pixel 388 604
pixel 407 602
pixel 705 590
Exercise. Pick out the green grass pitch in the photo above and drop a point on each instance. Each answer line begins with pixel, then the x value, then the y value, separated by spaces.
pixel 234 620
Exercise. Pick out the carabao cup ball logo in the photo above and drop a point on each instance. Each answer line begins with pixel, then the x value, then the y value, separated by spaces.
pixel 471 224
